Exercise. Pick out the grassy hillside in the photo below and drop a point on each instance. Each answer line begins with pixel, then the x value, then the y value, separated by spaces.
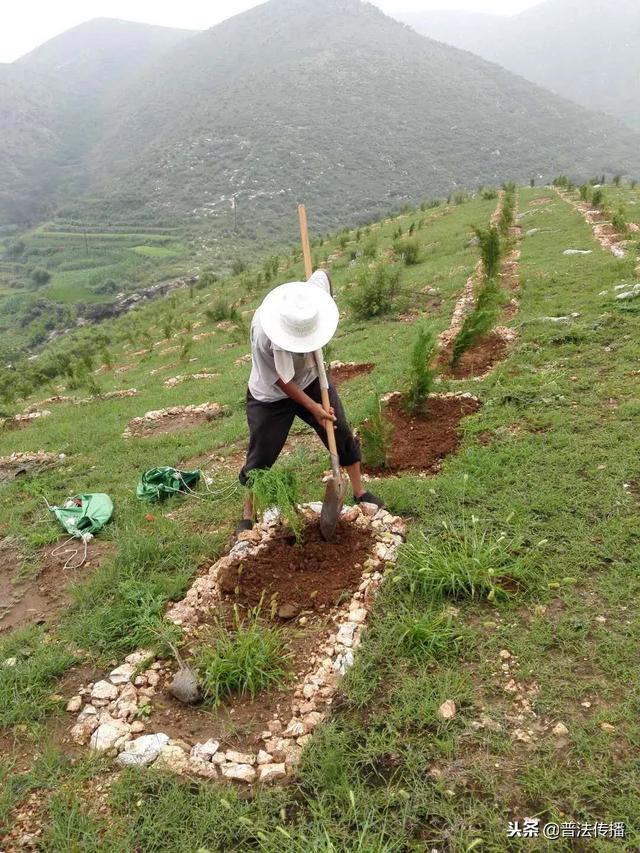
pixel 339 105
pixel 52 110
pixel 545 483
pixel 576 48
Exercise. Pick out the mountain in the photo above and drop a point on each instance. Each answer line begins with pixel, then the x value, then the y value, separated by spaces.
pixel 329 101
pixel 51 108
pixel 586 50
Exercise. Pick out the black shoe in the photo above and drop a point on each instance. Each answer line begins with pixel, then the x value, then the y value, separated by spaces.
pixel 370 498
pixel 244 524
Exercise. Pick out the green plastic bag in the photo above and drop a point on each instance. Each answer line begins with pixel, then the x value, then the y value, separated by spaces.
pixel 156 484
pixel 84 515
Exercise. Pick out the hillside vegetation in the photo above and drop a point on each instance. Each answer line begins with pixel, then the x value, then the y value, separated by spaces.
pixel 585 50
pixel 516 597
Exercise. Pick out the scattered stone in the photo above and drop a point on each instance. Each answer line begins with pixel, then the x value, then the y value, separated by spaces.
pixel 205 750
pixel 74 704
pixel 239 772
pixel 505 655
pixel 289 611
pixel 103 690
pixel 447 710
pixel 271 772
pixel 607 727
pixel 122 674
pixel 142 751
pixel 184 686
pixel 172 757
pixel 577 252
pixel 240 757
pixel 264 757
pixel 560 730
pixel 106 735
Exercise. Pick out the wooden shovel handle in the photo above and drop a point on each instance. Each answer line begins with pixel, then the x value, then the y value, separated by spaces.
pixel 308 271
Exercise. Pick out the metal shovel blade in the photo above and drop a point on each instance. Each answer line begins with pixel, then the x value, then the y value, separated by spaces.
pixel 332 507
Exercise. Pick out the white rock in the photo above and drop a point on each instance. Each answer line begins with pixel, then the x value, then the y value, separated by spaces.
pixel 345 633
pixel 309 691
pixel 103 690
pixel 10 662
pixel 74 704
pixel 505 655
pixel 560 730
pixel 82 731
pixel 205 750
pixel 143 750
pixel 107 734
pixel 312 719
pixel 172 757
pixel 239 772
pixel 264 757
pixel 136 658
pixel 240 757
pixel 447 710
pixel 271 772
pixel 122 674
pixel 295 728
pixel 359 615
pixel 87 711
pixel 203 768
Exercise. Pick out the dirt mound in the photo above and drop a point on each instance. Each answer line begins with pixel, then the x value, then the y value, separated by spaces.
pixel 40 598
pixel 311 576
pixel 343 371
pixel 420 443
pixel 20 464
pixel 173 419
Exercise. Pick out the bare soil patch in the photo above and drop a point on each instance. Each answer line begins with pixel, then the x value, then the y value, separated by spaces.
pixel 43 596
pixel 313 576
pixel 344 372
pixel 22 464
pixel 477 360
pixel 419 443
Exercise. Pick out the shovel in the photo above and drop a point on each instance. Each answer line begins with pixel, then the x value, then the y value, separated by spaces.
pixel 336 486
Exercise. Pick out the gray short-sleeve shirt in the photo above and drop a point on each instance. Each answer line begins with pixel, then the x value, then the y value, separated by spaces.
pixel 270 363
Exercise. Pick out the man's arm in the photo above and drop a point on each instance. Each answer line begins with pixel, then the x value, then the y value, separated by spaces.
pixel 295 392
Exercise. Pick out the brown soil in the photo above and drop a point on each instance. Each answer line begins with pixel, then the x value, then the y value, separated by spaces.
pixel 349 371
pixel 537 202
pixel 238 721
pixel 420 443
pixel 169 425
pixel 312 576
pixel 43 597
pixel 477 360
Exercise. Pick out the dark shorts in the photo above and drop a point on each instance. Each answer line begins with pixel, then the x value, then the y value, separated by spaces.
pixel 269 425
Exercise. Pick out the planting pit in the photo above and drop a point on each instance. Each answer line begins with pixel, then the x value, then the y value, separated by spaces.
pixel 419 443
pixel 131 715
pixel 311 576
pixel 173 419
pixel 343 371
pixel 478 360
pixel 42 596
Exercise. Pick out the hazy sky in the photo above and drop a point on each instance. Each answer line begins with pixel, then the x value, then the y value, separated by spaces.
pixel 24 24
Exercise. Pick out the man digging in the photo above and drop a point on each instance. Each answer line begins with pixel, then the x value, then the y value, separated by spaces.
pixel 294 321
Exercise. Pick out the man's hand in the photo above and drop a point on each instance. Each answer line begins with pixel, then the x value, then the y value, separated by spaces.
pixel 322 415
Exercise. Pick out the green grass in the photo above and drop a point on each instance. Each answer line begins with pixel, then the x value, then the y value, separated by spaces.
pixel 242 660
pixel 542 467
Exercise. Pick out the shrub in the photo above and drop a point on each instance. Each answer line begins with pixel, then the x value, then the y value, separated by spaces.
pixel 375 434
pixel 245 660
pixel 633 184
pixel 40 277
pixel 221 310
pixel 278 487
pixel 374 291
pixel 619 221
pixel 489 194
pixel 616 180
pixel 597 199
pixel 490 249
pixel 370 247
pixel 408 251
pixel 585 192
pixel 238 266
pixel 420 375
pixel 532 183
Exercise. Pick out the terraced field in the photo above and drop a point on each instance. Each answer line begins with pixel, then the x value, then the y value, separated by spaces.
pixel 496 677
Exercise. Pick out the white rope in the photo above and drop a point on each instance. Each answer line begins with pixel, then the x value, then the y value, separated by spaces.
pixel 63 549
pixel 226 491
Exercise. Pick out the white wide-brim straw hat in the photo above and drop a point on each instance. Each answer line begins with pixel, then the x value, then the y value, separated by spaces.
pixel 299 317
